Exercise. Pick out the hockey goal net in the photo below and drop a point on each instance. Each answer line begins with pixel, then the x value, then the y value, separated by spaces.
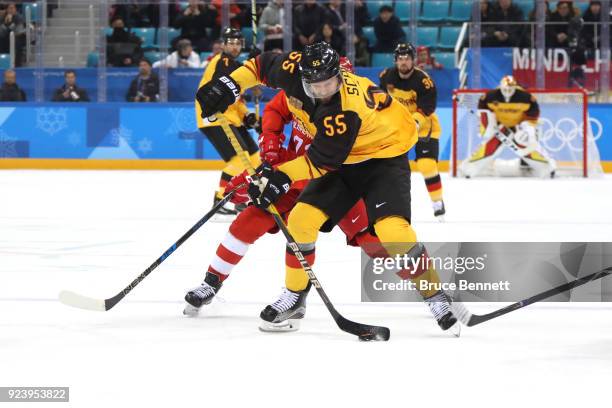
pixel 563 124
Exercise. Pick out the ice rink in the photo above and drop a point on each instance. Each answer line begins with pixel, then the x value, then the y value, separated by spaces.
pixel 95 231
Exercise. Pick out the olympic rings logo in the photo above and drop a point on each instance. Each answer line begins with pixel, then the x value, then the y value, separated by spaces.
pixel 567 132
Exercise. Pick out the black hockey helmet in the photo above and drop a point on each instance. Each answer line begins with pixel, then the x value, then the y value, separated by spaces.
pixel 405 49
pixel 230 32
pixel 319 62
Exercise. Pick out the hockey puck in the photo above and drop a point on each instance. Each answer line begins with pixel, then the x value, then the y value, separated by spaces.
pixel 373 337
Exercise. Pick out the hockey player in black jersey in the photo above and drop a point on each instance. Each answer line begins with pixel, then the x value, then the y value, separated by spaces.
pixel 417 91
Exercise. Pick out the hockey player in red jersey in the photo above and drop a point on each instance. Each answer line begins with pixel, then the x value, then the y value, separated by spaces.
pixel 252 223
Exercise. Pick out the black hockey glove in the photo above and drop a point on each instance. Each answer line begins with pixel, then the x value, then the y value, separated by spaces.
pixel 254 51
pixel 276 184
pixel 251 122
pixel 217 95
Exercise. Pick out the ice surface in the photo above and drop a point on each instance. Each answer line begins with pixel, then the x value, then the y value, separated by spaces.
pixel 93 232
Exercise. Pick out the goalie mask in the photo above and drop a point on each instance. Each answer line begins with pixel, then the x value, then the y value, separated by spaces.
pixel 508 86
pixel 320 71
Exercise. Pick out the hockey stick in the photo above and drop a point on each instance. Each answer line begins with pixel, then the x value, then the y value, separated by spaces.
pixel 102 305
pixel 363 331
pixel 470 319
pixel 254 44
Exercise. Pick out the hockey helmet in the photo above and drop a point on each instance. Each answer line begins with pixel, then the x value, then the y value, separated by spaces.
pixel 508 86
pixel 320 70
pixel 405 49
pixel 230 33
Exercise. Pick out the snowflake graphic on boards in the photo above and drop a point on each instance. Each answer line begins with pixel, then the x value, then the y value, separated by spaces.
pixel 8 145
pixel 121 133
pixel 51 120
pixel 183 121
pixel 145 145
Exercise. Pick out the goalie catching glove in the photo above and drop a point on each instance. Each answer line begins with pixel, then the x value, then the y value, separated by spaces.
pixel 274 184
pixel 217 95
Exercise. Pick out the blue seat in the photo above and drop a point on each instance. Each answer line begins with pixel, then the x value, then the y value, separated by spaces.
pixel 427 36
pixel 374 6
pixel 173 33
pixel 445 58
pixel 368 33
pixel 382 59
pixel 461 11
pixel 435 11
pixel 153 56
pixel 5 61
pixel 403 10
pixel 34 11
pixel 526 6
pixel 448 37
pixel 108 31
pixel 93 59
pixel 247 32
pixel 146 35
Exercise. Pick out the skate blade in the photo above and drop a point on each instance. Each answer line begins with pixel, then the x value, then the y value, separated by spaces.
pixel 289 325
pixel 455 329
pixel 190 311
pixel 440 218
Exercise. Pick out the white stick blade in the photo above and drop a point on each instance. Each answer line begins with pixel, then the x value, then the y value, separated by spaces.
pixel 82 302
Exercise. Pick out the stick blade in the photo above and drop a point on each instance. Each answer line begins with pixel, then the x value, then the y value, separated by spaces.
pixel 82 302
pixel 364 332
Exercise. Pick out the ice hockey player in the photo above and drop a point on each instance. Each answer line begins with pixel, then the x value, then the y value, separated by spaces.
pixel 509 116
pixel 417 91
pixel 253 222
pixel 358 152
pixel 237 114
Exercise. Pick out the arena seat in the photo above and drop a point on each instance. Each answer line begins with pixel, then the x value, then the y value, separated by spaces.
pixel 247 32
pixel 461 11
pixel 385 59
pixel 374 6
pixel 448 37
pixel 435 11
pixel 427 36
pixel 5 61
pixel 146 35
pixel 445 58
pixel 403 10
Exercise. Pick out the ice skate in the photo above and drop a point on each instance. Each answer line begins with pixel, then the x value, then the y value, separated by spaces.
pixel 284 314
pixel 440 307
pixel 202 295
pixel 439 210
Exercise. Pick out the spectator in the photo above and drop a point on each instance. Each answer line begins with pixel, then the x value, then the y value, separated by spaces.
pixel 335 15
pixel 217 47
pixel 533 12
pixel 509 34
pixel 271 25
pixel 425 60
pixel 307 20
pixel 557 31
pixel 236 14
pixel 362 18
pixel 333 37
pixel 183 57
pixel 592 28
pixel 145 87
pixel 194 21
pixel 388 30
pixel 10 91
pixel 70 91
pixel 485 20
pixel 12 21
pixel 123 48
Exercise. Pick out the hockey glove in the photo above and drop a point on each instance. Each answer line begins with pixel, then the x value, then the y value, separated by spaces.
pixel 217 95
pixel 241 196
pixel 275 185
pixel 254 52
pixel 251 122
pixel 270 149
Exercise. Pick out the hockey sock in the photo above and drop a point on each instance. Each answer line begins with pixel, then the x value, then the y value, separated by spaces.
pixel 228 254
pixel 304 223
pixel 398 238
pixel 429 170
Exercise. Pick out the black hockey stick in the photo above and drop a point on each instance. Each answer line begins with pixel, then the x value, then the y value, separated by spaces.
pixel 363 331
pixel 470 319
pixel 102 305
